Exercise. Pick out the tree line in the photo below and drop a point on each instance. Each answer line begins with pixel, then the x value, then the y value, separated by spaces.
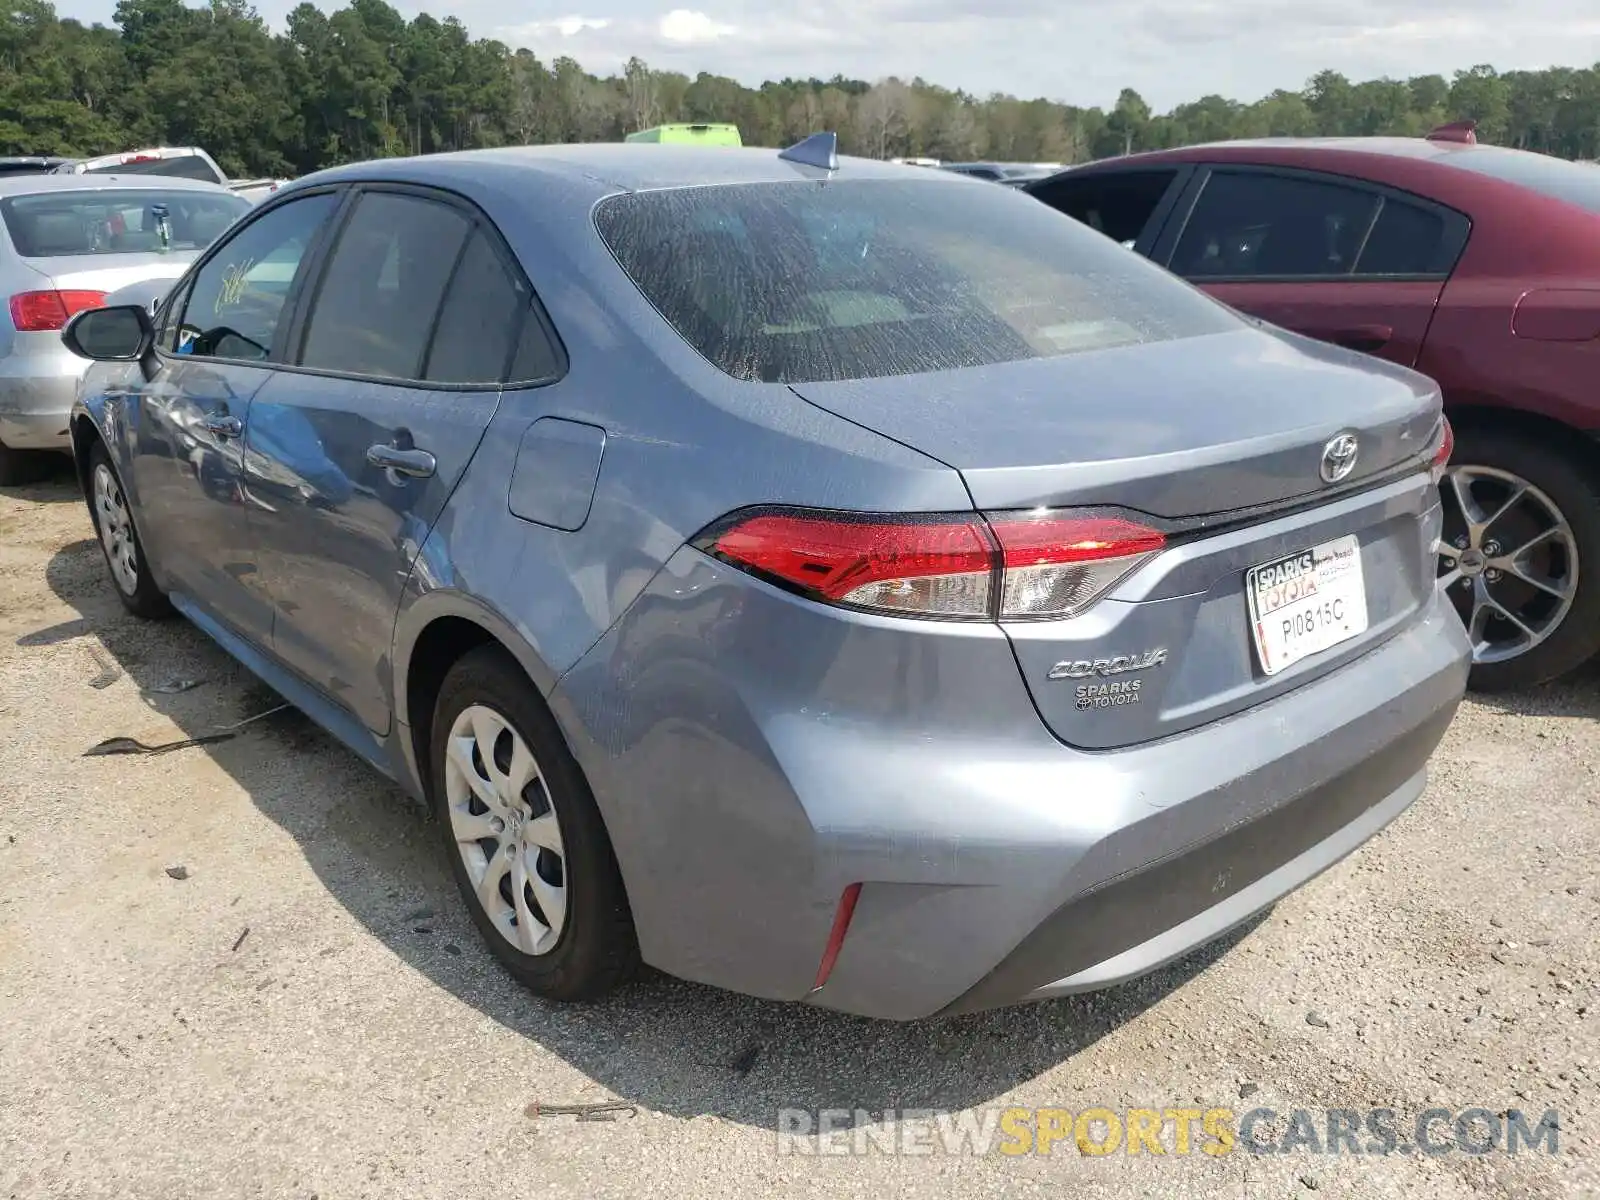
pixel 363 82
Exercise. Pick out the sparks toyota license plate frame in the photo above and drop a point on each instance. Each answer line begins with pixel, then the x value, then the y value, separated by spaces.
pixel 1306 603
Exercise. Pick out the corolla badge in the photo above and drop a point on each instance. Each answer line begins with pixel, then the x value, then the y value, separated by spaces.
pixel 1339 457
pixel 1085 668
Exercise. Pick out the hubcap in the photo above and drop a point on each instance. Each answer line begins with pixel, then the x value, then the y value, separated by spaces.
pixel 116 530
pixel 1508 561
pixel 506 830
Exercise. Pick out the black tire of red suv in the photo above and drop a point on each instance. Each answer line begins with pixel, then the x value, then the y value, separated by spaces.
pixel 1572 487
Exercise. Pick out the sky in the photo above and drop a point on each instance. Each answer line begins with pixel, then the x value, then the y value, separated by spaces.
pixel 1076 51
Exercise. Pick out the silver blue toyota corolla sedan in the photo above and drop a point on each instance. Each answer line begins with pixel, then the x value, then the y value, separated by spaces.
pixel 819 578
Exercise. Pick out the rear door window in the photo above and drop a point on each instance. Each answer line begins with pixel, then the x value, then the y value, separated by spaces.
pixel 1406 240
pixel 799 282
pixel 1264 225
pixel 1261 225
pixel 383 286
pixel 480 321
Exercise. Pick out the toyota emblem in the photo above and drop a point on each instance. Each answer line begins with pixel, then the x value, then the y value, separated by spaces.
pixel 1339 457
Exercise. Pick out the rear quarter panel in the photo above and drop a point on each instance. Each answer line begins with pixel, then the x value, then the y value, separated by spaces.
pixel 1518 246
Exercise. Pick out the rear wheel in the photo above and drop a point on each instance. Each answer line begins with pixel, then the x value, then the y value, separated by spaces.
pixel 18 467
pixel 1520 557
pixel 525 840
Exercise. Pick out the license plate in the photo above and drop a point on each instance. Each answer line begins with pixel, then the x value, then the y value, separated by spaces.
pixel 1306 603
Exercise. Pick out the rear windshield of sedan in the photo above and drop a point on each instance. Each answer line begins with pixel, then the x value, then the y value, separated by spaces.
pixel 183 166
pixel 805 281
pixel 117 221
pixel 1575 182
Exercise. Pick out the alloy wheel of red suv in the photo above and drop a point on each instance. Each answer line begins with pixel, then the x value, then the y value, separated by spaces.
pixel 1522 526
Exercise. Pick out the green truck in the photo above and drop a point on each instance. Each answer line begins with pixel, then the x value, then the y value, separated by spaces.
pixel 690 135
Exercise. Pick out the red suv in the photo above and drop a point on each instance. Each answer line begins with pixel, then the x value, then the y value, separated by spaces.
pixel 1477 265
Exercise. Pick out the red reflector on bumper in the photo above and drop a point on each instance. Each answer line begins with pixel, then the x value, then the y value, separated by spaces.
pixel 841 926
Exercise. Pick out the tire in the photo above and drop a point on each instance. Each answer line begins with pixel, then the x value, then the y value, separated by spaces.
pixel 18 467
pixel 118 535
pixel 592 949
pixel 1491 463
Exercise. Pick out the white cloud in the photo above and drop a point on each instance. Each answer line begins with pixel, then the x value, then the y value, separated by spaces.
pixel 563 26
pixel 686 27
pixel 1080 51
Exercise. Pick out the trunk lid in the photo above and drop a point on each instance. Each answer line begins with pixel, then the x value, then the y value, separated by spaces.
pixel 109 272
pixel 1222 440
pixel 1174 429
pixel 106 273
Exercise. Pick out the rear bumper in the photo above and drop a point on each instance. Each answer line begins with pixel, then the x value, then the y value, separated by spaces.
pixel 34 406
pixel 1134 923
pixel 754 755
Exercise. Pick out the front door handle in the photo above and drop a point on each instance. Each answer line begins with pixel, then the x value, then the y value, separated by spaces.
pixel 1367 338
pixel 402 460
pixel 222 425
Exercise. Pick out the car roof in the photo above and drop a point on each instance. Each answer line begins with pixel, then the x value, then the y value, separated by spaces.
pixel 1416 149
pixel 1005 164
pixel 1406 147
pixel 20 185
pixel 620 166
pixel 146 152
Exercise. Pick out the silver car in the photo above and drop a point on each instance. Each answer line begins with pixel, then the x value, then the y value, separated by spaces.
pixel 65 242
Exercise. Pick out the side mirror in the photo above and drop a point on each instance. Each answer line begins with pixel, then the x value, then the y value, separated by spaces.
pixel 121 334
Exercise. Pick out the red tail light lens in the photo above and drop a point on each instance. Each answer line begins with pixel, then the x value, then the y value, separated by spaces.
pixel 937 568
pixel 1443 447
pixel 41 312
pixel 967 567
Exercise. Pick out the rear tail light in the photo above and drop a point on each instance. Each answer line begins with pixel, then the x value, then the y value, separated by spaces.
pixel 40 312
pixel 1056 565
pixel 1003 566
pixel 1443 447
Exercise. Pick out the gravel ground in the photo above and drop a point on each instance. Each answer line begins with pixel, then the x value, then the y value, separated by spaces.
pixel 308 1012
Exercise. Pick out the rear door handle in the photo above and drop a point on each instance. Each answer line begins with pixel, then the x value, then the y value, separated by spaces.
pixel 398 460
pixel 1366 338
pixel 222 425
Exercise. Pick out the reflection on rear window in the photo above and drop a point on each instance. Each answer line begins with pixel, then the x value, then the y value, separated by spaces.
pixel 132 221
pixel 182 166
pixel 805 281
pixel 1575 182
